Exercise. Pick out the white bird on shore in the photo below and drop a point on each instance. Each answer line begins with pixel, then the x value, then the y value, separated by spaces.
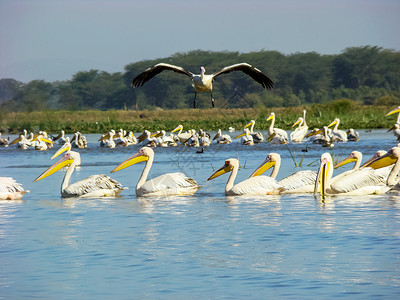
pixel 259 185
pixel 170 184
pixel 202 82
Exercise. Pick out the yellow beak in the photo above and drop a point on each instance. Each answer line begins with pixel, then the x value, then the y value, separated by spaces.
pixel 321 179
pixel 240 135
pixel 137 158
pixel 64 161
pixel 396 110
pixel 345 161
pixel 65 147
pixel 297 122
pixel 267 164
pixel 383 161
pixel 225 169
pixel 333 123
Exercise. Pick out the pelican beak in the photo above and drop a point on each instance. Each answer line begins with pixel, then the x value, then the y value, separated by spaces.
pixel 270 118
pixel 392 128
pixel 314 133
pixel 137 158
pixel 16 141
pixel 321 178
pixel 225 169
pixel 47 141
pixel 396 110
pixel 383 161
pixel 267 164
pixel 105 137
pixel 248 125
pixel 333 123
pixel 345 161
pixel 240 135
pixel 176 129
pixel 216 136
pixel 156 134
pixel 65 147
pixel 64 161
pixel 297 122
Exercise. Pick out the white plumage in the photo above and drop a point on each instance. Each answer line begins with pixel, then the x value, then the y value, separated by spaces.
pixel 276 135
pixel 10 189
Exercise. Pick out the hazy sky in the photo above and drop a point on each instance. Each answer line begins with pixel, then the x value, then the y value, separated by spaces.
pixel 54 39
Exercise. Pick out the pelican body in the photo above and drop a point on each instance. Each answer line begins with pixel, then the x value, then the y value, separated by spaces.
pixel 93 186
pixel 10 189
pixel 170 184
pixel 260 185
pixel 276 135
pixel 203 82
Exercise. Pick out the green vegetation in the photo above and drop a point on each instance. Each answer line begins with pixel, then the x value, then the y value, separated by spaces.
pixel 370 75
pixel 351 114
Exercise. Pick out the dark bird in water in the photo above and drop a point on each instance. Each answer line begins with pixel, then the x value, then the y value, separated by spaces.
pixel 202 82
pixel 201 150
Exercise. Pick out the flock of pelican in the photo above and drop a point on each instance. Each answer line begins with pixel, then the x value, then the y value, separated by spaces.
pixel 377 175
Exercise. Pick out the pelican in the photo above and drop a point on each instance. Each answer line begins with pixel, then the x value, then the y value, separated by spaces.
pixel 79 141
pixel 202 82
pixel 276 135
pixel 299 133
pixel 337 135
pixel 322 136
pixel 41 143
pixel 177 184
pixel 246 138
pixel 93 186
pixel 360 182
pixel 67 147
pixel 299 182
pixel 259 185
pixel 391 157
pixel 222 138
pixel 109 143
pixel 60 138
pixel 257 136
pixel 396 127
pixel 10 189
pixel 163 140
pixel 183 137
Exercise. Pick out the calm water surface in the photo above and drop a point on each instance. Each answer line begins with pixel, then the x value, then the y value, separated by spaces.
pixel 207 246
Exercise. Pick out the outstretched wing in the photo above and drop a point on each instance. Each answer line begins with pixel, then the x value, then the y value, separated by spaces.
pixel 145 76
pixel 254 73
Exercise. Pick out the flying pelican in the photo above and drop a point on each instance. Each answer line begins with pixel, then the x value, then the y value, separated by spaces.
pixel 276 135
pixel 93 186
pixel 10 189
pixel 259 185
pixel 177 184
pixel 222 138
pixel 338 135
pixel 183 137
pixel 257 136
pixel 299 133
pixel 360 182
pixel 202 82
pixel 299 182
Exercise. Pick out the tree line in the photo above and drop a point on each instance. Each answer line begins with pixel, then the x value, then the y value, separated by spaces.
pixel 368 74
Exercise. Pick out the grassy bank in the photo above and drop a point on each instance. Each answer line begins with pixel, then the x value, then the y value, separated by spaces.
pixel 350 114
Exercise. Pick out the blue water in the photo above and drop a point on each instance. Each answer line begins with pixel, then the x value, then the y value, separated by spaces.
pixel 207 246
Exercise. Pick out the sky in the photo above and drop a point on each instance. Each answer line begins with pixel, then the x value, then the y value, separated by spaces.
pixel 52 40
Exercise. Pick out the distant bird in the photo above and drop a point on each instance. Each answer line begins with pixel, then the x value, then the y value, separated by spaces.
pixel 276 135
pixel 202 82
pixel 337 134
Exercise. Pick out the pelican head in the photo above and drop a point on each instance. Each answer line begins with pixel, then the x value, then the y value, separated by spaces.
pixel 179 127
pixel 353 157
pixel 385 160
pixel 377 155
pixel 299 120
pixel 227 167
pixel 396 110
pixel 142 155
pixel 66 160
pixel 268 163
pixel 271 116
pixel 246 131
pixel 324 173
pixel 65 147
pixel 202 70
pixel 334 122
pixel 315 131
pixel 250 123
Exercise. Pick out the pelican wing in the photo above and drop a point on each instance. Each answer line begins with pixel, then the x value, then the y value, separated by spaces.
pixel 359 179
pixel 299 179
pixel 145 76
pixel 256 185
pixel 91 184
pixel 254 73
pixel 8 184
pixel 169 181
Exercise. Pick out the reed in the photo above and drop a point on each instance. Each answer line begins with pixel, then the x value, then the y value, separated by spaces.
pixel 351 116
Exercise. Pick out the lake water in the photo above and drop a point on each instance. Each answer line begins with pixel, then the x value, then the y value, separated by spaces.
pixel 207 246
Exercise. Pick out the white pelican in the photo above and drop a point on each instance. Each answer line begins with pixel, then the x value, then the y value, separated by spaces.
pixel 276 135
pixel 163 140
pixel 378 154
pixel 396 127
pixel 257 136
pixel 352 135
pixel 300 132
pixel 202 82
pixel 67 147
pixel 79 141
pixel 391 157
pixel 299 182
pixel 183 137
pixel 41 143
pixel 259 185
pixel 322 136
pixel 177 184
pixel 110 143
pixel 10 189
pixel 204 138
pixel 93 186
pixel 222 138
pixel 60 138
pixel 337 135
pixel 360 182
pixel 246 138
